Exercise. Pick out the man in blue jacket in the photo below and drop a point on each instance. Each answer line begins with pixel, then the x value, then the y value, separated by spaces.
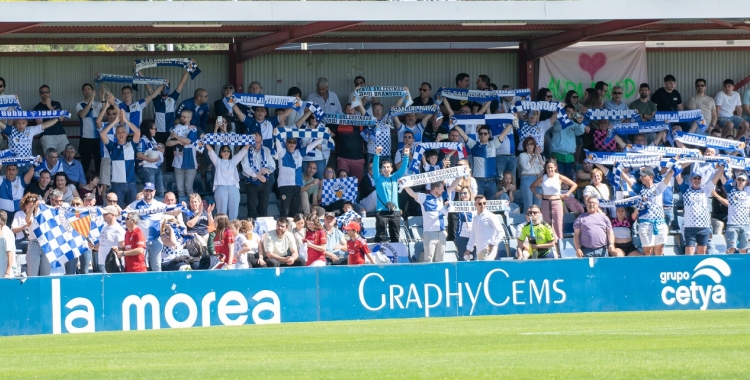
pixel 386 187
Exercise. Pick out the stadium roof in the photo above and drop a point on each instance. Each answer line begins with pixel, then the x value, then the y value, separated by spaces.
pixel 258 27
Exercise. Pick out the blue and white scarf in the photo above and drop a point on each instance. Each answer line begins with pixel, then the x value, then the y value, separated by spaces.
pixel 634 129
pixel 449 174
pixel 344 119
pixel 627 159
pixel 527 105
pixel 378 135
pixel 681 117
pixel 339 188
pixel 229 139
pixel 16 115
pixel 465 94
pixel 316 110
pixel 7 101
pixel 268 101
pixel 627 202
pixel 418 150
pixel 381 92
pixel 186 63
pixel 664 151
pixel 128 79
pixel 297 133
pixel 496 121
pixel 521 93
pixel 153 210
pixel 605 114
pixel 710 142
pixel 400 111
pixel 19 160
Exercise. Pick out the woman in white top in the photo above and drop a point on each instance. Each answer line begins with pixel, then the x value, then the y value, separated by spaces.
pixel 552 196
pixel 63 184
pixel 467 182
pixel 252 243
pixel 531 164
pixel 227 179
pixel 597 189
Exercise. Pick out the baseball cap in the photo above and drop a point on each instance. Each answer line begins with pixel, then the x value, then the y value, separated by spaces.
pixel 351 226
pixel 148 186
pixel 90 196
pixel 332 215
pixel 742 175
pixel 696 174
pixel 110 210
pixel 647 171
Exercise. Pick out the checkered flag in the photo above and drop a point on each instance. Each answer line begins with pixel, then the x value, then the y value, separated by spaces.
pixel 87 221
pixel 56 236
pixel 346 218
pixel 339 188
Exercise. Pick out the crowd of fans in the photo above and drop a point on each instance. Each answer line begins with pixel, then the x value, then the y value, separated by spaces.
pixel 535 164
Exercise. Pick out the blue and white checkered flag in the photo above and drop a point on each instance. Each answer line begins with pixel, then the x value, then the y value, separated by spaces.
pixel 57 238
pixel 339 188
pixel 346 218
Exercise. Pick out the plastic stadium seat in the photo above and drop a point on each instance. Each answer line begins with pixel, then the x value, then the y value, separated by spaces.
pixel 720 244
pixel 567 248
pixel 272 198
pixel 369 225
pixel 517 219
pixel 670 245
pixel 568 220
pixel 414 221
pixel 415 251
pixel 273 210
pixel 403 235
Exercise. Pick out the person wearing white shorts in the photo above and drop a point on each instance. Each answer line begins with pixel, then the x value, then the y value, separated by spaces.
pixel 652 228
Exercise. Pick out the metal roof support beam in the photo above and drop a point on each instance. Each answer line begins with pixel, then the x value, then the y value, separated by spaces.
pixel 543 46
pixel 236 72
pixel 12 27
pixel 252 48
pixel 525 68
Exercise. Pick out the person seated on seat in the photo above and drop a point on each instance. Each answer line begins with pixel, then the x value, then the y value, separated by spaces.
pixel 622 226
pixel 279 246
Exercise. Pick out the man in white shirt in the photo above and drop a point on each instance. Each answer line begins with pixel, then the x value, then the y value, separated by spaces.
pixel 433 219
pixel 729 108
pixel 486 232
pixel 703 102
pixel 8 267
pixel 280 248
pixel 111 236
pixel 327 100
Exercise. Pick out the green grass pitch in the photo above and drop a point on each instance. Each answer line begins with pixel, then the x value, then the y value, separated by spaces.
pixel 667 345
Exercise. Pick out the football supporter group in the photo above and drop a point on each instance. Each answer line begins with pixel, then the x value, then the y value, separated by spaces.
pixel 479 167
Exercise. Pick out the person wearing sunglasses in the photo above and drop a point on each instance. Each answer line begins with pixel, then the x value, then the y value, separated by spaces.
pixel 227 179
pixel 536 238
pixel 54 136
pixel 425 95
pixel 706 104
pixel 486 234
pixel 616 103
pixel 133 247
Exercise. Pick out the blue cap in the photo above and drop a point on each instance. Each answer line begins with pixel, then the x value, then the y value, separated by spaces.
pixel 148 186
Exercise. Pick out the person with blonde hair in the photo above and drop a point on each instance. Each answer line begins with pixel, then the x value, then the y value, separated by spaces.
pixel 315 239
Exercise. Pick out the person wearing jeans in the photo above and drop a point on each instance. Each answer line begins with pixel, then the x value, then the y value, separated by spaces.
pixel 386 188
pixel 227 179
pixel 150 225
pixel 531 164
pixel 150 168
pixel 122 153
pixel 258 166
pixel 185 164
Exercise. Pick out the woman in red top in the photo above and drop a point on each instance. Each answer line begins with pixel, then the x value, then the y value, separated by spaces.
pixel 224 240
pixel 315 237
pixel 134 246
pixel 356 247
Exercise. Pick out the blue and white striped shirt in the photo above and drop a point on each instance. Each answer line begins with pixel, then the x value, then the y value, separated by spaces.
pixel 123 161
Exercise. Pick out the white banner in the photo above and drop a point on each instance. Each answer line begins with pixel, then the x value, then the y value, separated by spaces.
pixel 578 68
pixel 468 206
pixel 438 175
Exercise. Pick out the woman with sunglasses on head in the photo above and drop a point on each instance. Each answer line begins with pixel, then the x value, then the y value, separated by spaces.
pixel 227 179
pixel 149 164
pixel 19 225
pixel 531 164
pixel 552 195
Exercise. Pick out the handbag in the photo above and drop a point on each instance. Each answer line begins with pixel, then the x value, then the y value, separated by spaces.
pixel 112 263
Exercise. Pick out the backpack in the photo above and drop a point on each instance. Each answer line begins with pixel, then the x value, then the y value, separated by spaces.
pixel 194 248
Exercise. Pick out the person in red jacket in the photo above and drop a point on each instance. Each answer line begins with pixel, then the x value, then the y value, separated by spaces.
pixel 134 245
pixel 356 246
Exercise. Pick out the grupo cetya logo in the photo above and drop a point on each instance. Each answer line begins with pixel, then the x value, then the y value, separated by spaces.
pixel 697 288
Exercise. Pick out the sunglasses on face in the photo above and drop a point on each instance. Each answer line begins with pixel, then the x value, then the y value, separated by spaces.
pixel 229 88
pixel 2 86
pixel 574 97
pixel 484 134
pixel 111 200
pixel 43 92
pixel 226 151
pixel 424 89
pixel 464 193
pixel 617 93
pixel 481 203
pixel 549 96
pixel 532 212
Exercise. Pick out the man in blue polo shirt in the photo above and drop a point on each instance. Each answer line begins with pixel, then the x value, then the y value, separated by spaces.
pixel 12 187
pixel 122 154
pixel 484 153
pixel 260 123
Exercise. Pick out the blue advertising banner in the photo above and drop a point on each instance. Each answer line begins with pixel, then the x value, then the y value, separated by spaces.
pixel 122 302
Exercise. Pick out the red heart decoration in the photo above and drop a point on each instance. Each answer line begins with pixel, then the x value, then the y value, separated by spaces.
pixel 592 64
